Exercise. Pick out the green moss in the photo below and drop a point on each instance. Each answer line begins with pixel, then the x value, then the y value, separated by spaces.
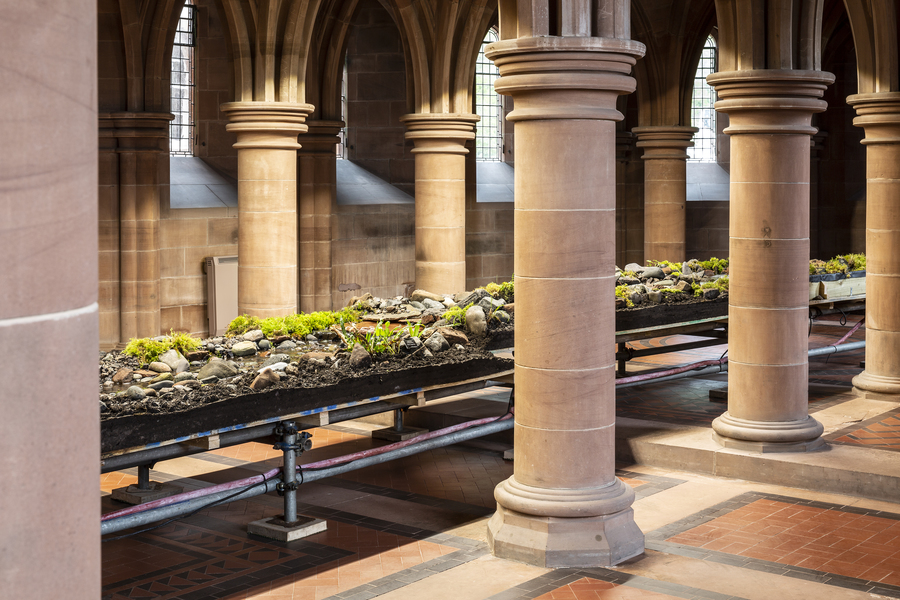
pixel 456 315
pixel 148 350
pixel 662 264
pixel 622 292
pixel 716 265
pixel 720 284
pixel 298 324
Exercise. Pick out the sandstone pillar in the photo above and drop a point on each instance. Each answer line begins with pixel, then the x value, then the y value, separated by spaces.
pixel 316 194
pixel 564 506
pixel 440 152
pixel 267 204
pixel 879 115
pixel 50 431
pixel 769 113
pixel 141 143
pixel 665 189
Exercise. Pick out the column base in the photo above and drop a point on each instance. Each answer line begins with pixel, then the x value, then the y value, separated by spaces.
pixel 804 435
pixel 564 527
pixel 552 542
pixel 877 386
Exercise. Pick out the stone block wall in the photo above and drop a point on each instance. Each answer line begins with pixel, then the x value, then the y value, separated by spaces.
pixel 707 229
pixel 489 243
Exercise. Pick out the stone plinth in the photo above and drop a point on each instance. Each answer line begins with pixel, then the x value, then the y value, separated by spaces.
pixel 770 112
pixel 559 509
pixel 267 204
pixel 440 149
pixel 665 189
pixel 317 181
pixel 879 115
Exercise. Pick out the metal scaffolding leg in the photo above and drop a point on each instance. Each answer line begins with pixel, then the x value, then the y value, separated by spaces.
pixel 145 490
pixel 290 526
pixel 399 431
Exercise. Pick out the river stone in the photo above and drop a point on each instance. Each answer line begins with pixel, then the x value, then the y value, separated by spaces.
pixel 655 296
pixel 161 385
pixel 473 297
pixel 160 367
pixel 684 286
pixel 433 304
pixel 245 348
pixel 266 378
pixel 197 355
pixel 417 305
pixel 175 360
pixel 254 335
pixel 278 366
pixel 264 344
pixel 420 295
pixel 311 338
pixel 502 316
pixel 686 269
pixel 184 377
pixel 217 368
pixel 359 358
pixel 710 294
pixel 653 273
pixel 636 298
pixel 476 322
pixel 411 344
pixel 135 393
pixel 162 377
pixel 437 343
pixel 486 304
pixel 453 336
pixel 286 345
pixel 151 393
pixel 633 267
pixel 276 358
pixel 122 374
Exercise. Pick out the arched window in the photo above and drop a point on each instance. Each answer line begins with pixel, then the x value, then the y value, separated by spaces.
pixel 489 131
pixel 181 129
pixel 703 115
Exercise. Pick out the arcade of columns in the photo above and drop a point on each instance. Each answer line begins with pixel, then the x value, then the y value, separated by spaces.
pixel 565 69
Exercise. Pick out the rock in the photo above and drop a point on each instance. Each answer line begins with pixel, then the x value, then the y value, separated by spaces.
pixel 245 348
pixel 162 385
pixel 458 347
pixel 655 296
pixel 103 407
pixel 151 393
pixel 286 345
pixel 278 366
pixel 449 303
pixel 628 281
pixel 184 377
pixel 510 308
pixel 633 267
pixel 162 377
pixel 436 343
pixel 264 344
pixel 652 273
pixel 318 362
pixel 686 269
pixel 710 294
pixel 217 368
pixel 292 370
pixel 420 295
pixel 453 336
pixel 317 356
pixel 502 316
pixel 476 322
pixel 175 360
pixel 428 319
pixel 359 358
pixel 486 304
pixel 326 334
pixel 254 336
pixel 433 304
pixel 197 355
pixel 281 339
pixel 266 378
pixel 159 367
pixel 364 298
pixel 427 353
pixel 620 303
pixel 122 375
pixel 417 305
pixel 311 339
pixel 636 298
pixel 208 380
pixel 473 297
pixel 684 286
pixel 276 358
pixel 145 373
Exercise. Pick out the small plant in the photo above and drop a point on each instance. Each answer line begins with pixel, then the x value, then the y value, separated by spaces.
pixel 662 264
pixel 837 265
pixel 145 349
pixel 622 292
pixel 242 324
pixel 720 284
pixel 508 290
pixel 414 329
pixel 857 262
pixel 716 265
pixel 298 324
pixel 493 289
pixel 183 342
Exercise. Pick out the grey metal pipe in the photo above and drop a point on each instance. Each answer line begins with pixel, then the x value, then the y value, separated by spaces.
pixel 183 508
pixel 852 346
pixel 289 473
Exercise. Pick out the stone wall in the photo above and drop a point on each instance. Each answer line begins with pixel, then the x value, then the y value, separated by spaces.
pixel 707 229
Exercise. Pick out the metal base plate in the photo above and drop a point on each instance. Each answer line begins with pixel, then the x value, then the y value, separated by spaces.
pixel 392 435
pixel 276 529
pixel 134 495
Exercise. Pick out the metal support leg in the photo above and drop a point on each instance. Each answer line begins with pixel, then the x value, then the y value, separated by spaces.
pixel 623 349
pixel 289 473
pixel 145 490
pixel 143 477
pixel 398 420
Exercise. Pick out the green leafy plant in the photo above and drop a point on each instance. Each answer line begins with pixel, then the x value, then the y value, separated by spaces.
pixel 508 290
pixel 149 350
pixel 183 342
pixel 456 315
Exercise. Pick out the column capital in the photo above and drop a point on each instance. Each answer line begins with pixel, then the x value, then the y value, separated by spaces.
pixel 442 133
pixel 267 125
pixel 879 115
pixel 770 101
pixel 321 137
pixel 565 77
pixel 671 141
pixel 134 131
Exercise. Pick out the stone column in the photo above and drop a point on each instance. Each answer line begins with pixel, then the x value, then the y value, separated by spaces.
pixel 267 204
pixel 815 151
pixel 665 189
pixel 564 506
pixel 440 152
pixel 770 112
pixel 50 430
pixel 141 143
pixel 316 195
pixel 879 115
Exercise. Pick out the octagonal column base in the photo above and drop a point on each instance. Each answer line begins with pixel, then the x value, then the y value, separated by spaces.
pixel 565 542
pixel 803 435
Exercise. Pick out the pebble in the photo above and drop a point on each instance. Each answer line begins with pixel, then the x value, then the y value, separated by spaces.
pixel 135 393
pixel 245 348
pixel 476 322
pixel 254 335
pixel 437 343
pixel 161 385
pixel 264 344
pixel 287 345
pixel 160 367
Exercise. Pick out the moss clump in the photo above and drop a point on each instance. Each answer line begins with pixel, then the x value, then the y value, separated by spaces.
pixel 622 292
pixel 720 284
pixel 456 315
pixel 837 265
pixel 857 262
pixel 716 265
pixel 298 324
pixel 149 350
pixel 662 264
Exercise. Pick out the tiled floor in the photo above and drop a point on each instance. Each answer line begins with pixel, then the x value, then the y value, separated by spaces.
pixel 415 528
pixel 883 433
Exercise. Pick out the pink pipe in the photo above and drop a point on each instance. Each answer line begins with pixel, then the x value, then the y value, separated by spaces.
pixel 256 479
pixel 675 371
pixel 849 333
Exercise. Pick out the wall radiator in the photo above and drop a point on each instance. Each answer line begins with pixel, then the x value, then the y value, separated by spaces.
pixel 221 277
